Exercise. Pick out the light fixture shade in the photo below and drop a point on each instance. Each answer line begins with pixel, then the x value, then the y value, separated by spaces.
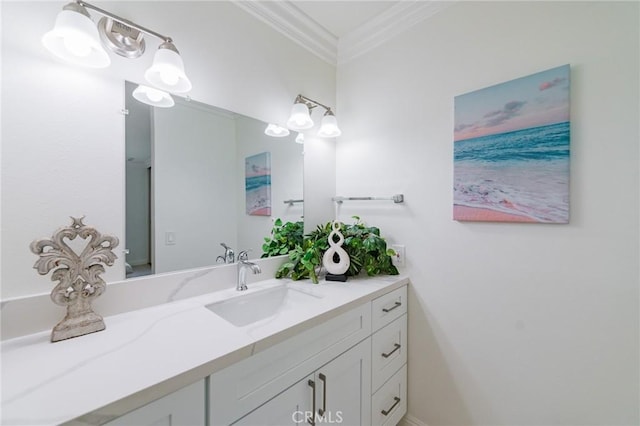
pixel 75 39
pixel 154 97
pixel 300 138
pixel 276 131
pixel 167 70
pixel 300 118
pixel 329 127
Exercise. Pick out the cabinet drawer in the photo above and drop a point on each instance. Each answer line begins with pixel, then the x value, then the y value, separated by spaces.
pixel 388 307
pixel 242 387
pixel 183 407
pixel 389 403
pixel 389 351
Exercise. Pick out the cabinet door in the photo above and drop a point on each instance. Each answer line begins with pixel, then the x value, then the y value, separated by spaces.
pixel 293 406
pixel 181 408
pixel 343 392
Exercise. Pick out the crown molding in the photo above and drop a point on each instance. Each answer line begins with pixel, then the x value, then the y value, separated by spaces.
pixel 286 18
pixel 392 22
pixel 290 21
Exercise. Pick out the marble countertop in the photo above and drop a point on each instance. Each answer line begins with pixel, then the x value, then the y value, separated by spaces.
pixel 148 353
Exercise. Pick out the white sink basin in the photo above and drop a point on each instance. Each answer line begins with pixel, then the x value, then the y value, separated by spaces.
pixel 246 309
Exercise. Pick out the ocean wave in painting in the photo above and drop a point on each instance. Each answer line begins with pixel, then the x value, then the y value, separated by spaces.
pixel 524 172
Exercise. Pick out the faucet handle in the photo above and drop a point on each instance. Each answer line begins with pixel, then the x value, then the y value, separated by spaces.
pixel 244 255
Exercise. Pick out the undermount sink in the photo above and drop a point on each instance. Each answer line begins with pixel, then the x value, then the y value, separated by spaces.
pixel 246 309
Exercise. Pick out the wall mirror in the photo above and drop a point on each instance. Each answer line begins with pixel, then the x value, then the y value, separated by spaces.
pixel 190 181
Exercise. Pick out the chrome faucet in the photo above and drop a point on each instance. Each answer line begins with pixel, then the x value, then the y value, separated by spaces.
pixel 228 257
pixel 243 264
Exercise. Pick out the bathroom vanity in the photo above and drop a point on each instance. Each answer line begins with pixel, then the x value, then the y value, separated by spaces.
pixel 282 352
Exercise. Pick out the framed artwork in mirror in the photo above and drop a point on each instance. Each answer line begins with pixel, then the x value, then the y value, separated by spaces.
pixel 258 184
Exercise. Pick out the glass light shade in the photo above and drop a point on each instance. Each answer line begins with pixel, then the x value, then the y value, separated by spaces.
pixel 154 97
pixel 167 71
pixel 329 127
pixel 276 131
pixel 75 39
pixel 300 118
pixel 300 138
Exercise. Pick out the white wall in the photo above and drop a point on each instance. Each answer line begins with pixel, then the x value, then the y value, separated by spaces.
pixel 524 324
pixel 63 134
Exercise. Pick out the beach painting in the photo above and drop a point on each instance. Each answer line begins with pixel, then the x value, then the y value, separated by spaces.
pixel 257 171
pixel 511 151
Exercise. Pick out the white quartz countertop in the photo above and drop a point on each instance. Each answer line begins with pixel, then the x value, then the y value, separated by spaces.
pixel 145 354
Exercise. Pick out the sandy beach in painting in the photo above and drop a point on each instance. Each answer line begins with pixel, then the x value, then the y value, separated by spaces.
pixel 258 200
pixel 486 215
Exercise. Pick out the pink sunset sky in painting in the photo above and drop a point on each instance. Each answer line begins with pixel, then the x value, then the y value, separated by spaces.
pixel 536 100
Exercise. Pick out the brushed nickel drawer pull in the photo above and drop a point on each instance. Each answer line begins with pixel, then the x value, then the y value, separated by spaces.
pixel 397 401
pixel 312 420
pixel 396 347
pixel 397 304
pixel 323 410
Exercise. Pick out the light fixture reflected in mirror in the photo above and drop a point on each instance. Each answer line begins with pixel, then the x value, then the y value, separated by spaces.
pixel 76 39
pixel 300 138
pixel 276 131
pixel 152 96
pixel 300 118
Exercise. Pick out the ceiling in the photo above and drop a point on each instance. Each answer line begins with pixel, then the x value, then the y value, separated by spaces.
pixel 338 31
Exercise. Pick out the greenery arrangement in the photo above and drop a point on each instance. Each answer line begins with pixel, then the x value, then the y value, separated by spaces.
pixel 284 238
pixel 366 248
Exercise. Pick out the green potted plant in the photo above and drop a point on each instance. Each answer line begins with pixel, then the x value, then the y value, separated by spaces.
pixel 367 251
pixel 284 238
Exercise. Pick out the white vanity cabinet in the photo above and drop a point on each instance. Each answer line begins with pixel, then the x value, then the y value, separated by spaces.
pixel 337 355
pixel 389 358
pixel 350 369
pixel 183 407
pixel 246 385
pixel 338 392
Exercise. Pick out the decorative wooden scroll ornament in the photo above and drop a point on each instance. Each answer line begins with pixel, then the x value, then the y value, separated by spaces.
pixel 78 277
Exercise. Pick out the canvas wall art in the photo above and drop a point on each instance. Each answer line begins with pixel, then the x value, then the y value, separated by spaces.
pixel 258 184
pixel 511 151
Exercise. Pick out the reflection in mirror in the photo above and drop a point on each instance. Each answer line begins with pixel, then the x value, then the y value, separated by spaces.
pixel 185 184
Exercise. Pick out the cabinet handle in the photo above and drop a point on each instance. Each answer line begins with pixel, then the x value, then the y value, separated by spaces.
pixel 397 401
pixel 397 304
pixel 312 420
pixel 396 347
pixel 323 410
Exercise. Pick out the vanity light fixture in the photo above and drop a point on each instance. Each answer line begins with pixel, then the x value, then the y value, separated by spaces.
pixel 276 131
pixel 300 118
pixel 152 96
pixel 167 70
pixel 76 39
pixel 329 126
